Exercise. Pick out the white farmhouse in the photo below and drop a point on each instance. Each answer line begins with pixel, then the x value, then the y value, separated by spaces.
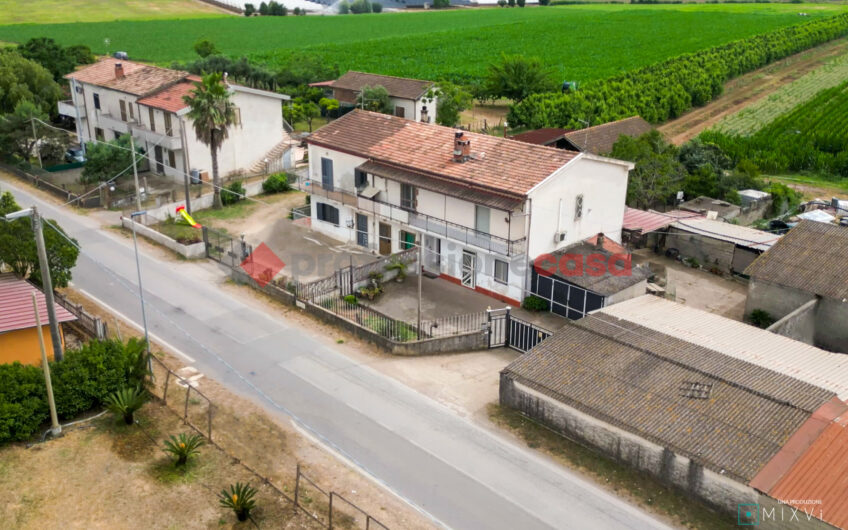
pixel 409 97
pixel 114 97
pixel 483 207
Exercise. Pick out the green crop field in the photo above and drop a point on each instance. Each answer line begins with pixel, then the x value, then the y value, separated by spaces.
pixel 764 111
pixel 50 11
pixel 582 42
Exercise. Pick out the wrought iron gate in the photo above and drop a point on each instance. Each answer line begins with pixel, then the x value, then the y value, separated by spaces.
pixel 507 330
pixel 225 249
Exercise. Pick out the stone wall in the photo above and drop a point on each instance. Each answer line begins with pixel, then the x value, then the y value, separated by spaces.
pixel 193 251
pixel 832 325
pixel 708 251
pixel 677 470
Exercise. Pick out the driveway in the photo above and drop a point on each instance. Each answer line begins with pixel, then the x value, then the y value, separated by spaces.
pixel 459 474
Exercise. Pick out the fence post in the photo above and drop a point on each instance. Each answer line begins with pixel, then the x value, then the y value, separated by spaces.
pixel 297 484
pixel 508 326
pixel 209 413
pixel 188 391
pixel 489 325
pixel 331 511
pixel 165 390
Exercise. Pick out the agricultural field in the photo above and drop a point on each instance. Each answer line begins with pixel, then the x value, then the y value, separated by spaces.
pixel 53 11
pixel 764 111
pixel 580 42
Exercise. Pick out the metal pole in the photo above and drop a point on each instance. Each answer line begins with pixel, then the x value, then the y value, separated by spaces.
pixel 47 285
pixel 420 270
pixel 141 290
pixel 135 176
pixel 35 139
pixel 55 428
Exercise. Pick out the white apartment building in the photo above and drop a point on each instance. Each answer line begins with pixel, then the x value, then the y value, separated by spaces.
pixel 483 207
pixel 114 97
pixel 408 97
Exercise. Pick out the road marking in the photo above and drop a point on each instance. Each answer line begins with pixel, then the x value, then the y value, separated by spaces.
pixel 313 240
pixel 132 323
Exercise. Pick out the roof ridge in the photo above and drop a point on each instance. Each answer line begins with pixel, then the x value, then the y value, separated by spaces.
pixel 391 76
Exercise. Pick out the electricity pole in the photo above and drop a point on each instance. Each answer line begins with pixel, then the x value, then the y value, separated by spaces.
pixel 135 173
pixel 47 284
pixel 55 428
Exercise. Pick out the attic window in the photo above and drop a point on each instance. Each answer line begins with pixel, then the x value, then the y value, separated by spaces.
pixel 694 390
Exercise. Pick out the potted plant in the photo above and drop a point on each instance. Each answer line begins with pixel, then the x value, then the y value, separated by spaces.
pixel 401 269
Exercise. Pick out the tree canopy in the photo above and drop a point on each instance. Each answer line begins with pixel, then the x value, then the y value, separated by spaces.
pixel 516 77
pixel 658 174
pixel 451 100
pixel 375 98
pixel 56 59
pixel 105 160
pixel 22 79
pixel 16 137
pixel 205 48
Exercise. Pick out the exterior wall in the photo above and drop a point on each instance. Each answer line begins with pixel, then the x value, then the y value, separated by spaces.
pixel 832 325
pixel 799 324
pixel 192 251
pixel 776 300
pixel 604 189
pixel 708 251
pixel 22 345
pixel 637 289
pixel 677 470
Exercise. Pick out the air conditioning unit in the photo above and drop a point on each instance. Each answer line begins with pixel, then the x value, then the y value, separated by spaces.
pixel 559 237
pixel 349 222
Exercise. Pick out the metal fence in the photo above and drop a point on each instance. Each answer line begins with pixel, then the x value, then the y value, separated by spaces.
pixel 41 179
pixel 305 491
pixel 455 324
pixel 371 319
pixel 91 324
pixel 178 390
pixel 224 248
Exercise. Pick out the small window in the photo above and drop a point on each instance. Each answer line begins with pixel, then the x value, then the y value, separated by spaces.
pixel 482 215
pixel 172 159
pixel 123 105
pixel 168 129
pixel 132 112
pixel 407 196
pixel 152 115
pixel 360 179
pixel 327 174
pixel 400 112
pixel 578 208
pixel 501 271
pixel 98 134
pixel 97 101
pixel 327 213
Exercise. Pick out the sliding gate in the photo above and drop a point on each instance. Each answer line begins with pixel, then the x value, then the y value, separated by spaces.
pixel 507 330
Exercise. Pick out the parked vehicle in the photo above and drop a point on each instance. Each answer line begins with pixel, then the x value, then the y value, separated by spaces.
pixel 74 154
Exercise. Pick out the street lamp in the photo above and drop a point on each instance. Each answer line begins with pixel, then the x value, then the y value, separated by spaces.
pixel 46 282
pixel 140 288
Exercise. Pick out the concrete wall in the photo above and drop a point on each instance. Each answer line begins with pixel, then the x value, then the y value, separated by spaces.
pixel 799 324
pixel 776 300
pixel 623 446
pixel 637 289
pixel 708 251
pixel 603 186
pixel 22 345
pixel 197 203
pixel 193 251
pixel 832 325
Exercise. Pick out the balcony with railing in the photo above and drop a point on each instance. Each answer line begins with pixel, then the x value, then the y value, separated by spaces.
pixel 316 187
pixel 67 108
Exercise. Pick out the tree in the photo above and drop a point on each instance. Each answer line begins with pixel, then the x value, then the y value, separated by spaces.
pixel 105 160
pixel 344 7
pixel 23 79
pixel 205 48
pixel 544 2
pixel 520 3
pixel 374 98
pixel 329 105
pixel 657 176
pixel 501 3
pixel 293 113
pixel 263 9
pixel 310 112
pixel 376 7
pixel 212 113
pixel 516 77
pixel 57 60
pixel 451 100
pixel 511 3
pixel 80 54
pixel 16 136
pixel 249 10
pixel 441 4
pixel 357 7
pixel 18 250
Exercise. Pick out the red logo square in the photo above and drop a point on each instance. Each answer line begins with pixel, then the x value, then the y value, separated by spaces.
pixel 262 265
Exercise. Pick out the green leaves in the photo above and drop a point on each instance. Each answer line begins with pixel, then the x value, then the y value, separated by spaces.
pixel 125 402
pixel 239 498
pixel 183 447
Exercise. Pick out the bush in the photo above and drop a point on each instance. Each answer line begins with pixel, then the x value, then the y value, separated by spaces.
pixel 520 3
pixel 761 319
pixel 249 10
pixel 376 7
pixel 351 299
pixel 344 7
pixel 263 8
pixel 125 402
pixel 502 3
pixel 239 499
pixel 276 183
pixel 233 193
pixel 511 3
pixel 534 303
pixel 357 7
pixel 441 4
pixel 23 401
pixel 544 2
pixel 183 447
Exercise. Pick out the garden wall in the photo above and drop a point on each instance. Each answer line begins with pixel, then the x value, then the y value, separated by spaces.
pixel 193 251
pixel 197 203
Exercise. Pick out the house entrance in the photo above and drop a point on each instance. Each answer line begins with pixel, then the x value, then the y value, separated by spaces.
pixel 432 254
pixel 361 230
pixel 469 269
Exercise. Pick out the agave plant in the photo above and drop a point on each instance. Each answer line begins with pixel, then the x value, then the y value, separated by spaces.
pixel 183 446
pixel 239 499
pixel 126 401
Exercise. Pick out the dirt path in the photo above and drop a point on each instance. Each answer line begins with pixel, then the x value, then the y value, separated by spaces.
pixel 744 90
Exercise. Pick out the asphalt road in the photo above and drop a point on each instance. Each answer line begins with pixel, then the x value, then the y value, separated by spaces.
pixel 460 475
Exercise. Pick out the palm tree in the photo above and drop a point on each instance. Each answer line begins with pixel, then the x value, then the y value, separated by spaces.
pixel 212 113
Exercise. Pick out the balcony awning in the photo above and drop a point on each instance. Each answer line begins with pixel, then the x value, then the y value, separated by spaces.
pixel 497 201
pixel 369 192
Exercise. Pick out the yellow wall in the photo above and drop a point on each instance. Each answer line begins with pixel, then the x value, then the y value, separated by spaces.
pixel 22 345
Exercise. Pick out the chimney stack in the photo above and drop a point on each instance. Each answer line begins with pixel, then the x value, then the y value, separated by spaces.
pixel 600 242
pixel 119 71
pixel 461 147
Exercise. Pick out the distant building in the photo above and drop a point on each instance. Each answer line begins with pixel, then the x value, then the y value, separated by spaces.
pixel 597 140
pixel 644 228
pixel 715 407
pixel 408 96
pixel 114 97
pixel 803 282
pixel 18 330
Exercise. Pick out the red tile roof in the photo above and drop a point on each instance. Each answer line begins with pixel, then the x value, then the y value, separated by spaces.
pixel 139 79
pixel 398 87
pixel 16 305
pixel 600 138
pixel 499 164
pixel 635 219
pixel 171 99
pixel 544 136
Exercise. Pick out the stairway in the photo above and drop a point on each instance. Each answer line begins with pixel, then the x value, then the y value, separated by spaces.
pixel 259 166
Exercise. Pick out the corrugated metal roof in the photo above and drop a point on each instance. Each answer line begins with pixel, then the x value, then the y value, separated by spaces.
pixel 740 235
pixel 811 258
pixel 737 339
pixel 635 219
pixel 16 305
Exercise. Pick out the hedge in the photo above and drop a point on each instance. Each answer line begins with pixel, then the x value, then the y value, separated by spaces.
pixel 666 90
pixel 80 382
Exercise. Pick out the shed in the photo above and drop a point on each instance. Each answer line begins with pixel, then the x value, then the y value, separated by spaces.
pixel 725 247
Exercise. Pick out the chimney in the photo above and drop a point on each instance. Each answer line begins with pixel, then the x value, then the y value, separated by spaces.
pixel 600 241
pixel 119 71
pixel 461 147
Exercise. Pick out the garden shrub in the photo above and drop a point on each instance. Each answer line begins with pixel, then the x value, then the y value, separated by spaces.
pixel 357 7
pixel 23 401
pixel 376 7
pixel 534 303
pixel 441 4
pixel 232 193
pixel 344 8
pixel 351 299
pixel 276 183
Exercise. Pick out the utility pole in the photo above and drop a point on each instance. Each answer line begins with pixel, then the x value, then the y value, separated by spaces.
pixel 35 139
pixel 420 273
pixel 47 284
pixel 141 289
pixel 135 173
pixel 55 428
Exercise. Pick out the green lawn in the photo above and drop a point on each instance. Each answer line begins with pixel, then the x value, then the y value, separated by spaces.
pixel 580 42
pixel 56 11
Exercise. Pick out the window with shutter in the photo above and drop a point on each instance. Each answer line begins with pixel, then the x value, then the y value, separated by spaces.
pixel 152 119
pixel 168 129
pixel 123 105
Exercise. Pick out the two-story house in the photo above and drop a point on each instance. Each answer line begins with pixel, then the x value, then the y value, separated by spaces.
pixel 410 98
pixel 113 97
pixel 483 207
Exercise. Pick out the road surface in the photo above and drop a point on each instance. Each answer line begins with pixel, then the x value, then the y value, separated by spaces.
pixel 459 474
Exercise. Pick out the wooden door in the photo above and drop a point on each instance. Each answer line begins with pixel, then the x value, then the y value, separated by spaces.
pixel 385 239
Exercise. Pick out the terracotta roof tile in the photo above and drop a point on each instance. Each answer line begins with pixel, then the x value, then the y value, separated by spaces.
pixel 16 305
pixel 544 136
pixel 501 165
pixel 171 99
pixel 139 79
pixel 649 221
pixel 600 138
pixel 399 87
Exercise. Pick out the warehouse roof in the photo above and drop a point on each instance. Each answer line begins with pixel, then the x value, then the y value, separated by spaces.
pixel 648 221
pixel 498 165
pixel 398 87
pixel 737 339
pixel 16 310
pixel 729 415
pixel 811 258
pixel 736 234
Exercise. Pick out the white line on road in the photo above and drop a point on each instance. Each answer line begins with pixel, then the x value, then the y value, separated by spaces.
pixel 132 323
